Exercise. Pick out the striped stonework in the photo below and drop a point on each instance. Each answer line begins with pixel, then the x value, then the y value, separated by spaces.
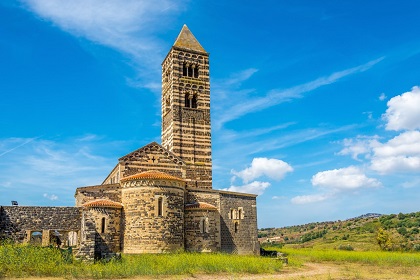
pixel 186 129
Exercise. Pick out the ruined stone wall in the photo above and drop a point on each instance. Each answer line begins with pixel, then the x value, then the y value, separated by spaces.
pixel 238 223
pixel 146 230
pixel 88 235
pixel 85 194
pixel 16 222
pixel 202 231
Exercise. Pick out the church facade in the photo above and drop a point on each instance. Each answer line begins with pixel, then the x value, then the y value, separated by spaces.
pixel 159 198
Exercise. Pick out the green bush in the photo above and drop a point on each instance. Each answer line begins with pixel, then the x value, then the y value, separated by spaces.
pixel 346 247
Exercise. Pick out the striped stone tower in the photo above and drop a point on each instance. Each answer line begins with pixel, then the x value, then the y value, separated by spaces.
pixel 186 129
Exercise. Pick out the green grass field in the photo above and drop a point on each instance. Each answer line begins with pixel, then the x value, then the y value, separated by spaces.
pixel 30 261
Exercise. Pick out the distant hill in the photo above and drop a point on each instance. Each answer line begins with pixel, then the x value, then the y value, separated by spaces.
pixel 370 231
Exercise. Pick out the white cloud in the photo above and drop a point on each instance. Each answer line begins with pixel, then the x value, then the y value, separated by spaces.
pixel 361 145
pixel 273 168
pixel 382 97
pixel 400 154
pixel 50 197
pixel 279 197
pixel 349 178
pixel 403 111
pixel 304 199
pixel 275 97
pixel 128 26
pixel 255 187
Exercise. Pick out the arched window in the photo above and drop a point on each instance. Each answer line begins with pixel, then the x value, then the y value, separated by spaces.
pixel 187 100
pixel 160 206
pixel 236 227
pixel 196 72
pixel 232 214
pixel 190 71
pixel 239 213
pixel 184 70
pixel 194 101
pixel 103 225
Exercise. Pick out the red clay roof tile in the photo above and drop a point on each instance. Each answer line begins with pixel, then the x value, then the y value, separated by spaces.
pixel 152 175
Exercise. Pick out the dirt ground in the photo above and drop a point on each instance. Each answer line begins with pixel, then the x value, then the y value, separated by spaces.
pixel 307 271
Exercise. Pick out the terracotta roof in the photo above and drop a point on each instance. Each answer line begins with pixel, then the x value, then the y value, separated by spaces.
pixel 200 206
pixel 152 175
pixel 103 203
pixel 186 40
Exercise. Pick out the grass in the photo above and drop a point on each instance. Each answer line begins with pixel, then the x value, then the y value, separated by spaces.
pixel 27 261
pixel 378 258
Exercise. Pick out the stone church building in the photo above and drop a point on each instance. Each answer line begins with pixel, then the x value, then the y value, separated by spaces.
pixel 158 198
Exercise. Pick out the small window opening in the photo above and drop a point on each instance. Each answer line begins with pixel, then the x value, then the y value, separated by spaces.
pixel 236 227
pixel 184 70
pixel 240 214
pixel 194 101
pixel 160 206
pixel 190 71
pixel 232 212
pixel 103 225
pixel 204 225
pixel 187 100
pixel 196 72
pixel 168 104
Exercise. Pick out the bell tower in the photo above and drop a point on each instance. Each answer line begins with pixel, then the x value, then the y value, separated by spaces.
pixel 186 129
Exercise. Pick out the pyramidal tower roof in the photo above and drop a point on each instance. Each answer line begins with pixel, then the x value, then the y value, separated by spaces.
pixel 186 40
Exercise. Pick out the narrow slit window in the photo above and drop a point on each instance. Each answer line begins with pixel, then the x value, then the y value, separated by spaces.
pixel 187 100
pixel 236 227
pixel 160 206
pixel 240 214
pixel 103 225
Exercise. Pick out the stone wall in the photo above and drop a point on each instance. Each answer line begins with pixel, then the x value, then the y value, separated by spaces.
pixel 17 222
pixel 202 230
pixel 147 230
pixel 101 233
pixel 201 195
pixel 238 223
pixel 152 157
pixel 85 194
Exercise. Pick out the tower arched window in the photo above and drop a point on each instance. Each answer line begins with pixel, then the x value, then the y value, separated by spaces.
pixel 187 100
pixel 236 227
pixel 190 71
pixel 184 70
pixel 196 72
pixel 194 101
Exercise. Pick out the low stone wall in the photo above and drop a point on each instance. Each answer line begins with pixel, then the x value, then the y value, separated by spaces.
pixel 17 221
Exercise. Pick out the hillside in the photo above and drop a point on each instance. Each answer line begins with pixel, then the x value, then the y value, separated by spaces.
pixel 363 233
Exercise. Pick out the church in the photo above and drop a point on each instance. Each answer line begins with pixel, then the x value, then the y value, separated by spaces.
pixel 158 198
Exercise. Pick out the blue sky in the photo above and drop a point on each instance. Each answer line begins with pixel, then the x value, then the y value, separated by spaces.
pixel 315 104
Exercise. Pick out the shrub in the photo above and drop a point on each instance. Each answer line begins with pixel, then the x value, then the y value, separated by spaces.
pixel 346 247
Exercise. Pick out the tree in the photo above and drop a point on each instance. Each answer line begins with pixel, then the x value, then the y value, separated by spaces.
pixel 384 239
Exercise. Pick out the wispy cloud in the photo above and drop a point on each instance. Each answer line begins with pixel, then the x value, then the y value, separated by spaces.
pixel 27 141
pixel 41 170
pixel 129 27
pixel 275 97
